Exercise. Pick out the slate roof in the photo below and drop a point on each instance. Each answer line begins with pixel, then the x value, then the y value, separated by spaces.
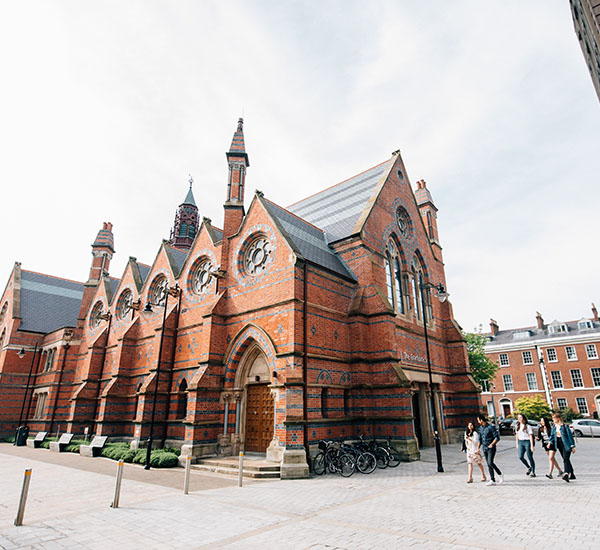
pixel 48 303
pixel 310 241
pixel 508 336
pixel 144 270
pixel 189 198
pixel 337 209
pixel 178 257
pixel 113 284
pixel 218 233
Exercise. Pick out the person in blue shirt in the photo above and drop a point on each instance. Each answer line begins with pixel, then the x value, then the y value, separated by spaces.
pixel 562 439
pixel 489 437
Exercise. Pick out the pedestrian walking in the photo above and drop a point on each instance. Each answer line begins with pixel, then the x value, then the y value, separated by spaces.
pixel 562 438
pixel 544 437
pixel 489 437
pixel 472 447
pixel 524 443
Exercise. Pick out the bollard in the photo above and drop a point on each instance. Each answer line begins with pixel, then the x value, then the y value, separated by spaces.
pixel 115 502
pixel 23 501
pixel 241 467
pixel 186 483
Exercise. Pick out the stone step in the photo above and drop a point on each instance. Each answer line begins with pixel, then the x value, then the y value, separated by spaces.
pixel 252 468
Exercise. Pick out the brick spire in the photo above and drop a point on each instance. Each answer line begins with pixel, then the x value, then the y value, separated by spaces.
pixel 237 160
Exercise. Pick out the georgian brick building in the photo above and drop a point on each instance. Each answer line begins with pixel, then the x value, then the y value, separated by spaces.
pixel 286 326
pixel 559 361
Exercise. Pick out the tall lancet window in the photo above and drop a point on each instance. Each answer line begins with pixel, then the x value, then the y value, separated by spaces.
pixel 393 276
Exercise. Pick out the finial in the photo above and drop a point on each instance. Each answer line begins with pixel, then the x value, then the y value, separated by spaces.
pixel 191 180
pixel 240 124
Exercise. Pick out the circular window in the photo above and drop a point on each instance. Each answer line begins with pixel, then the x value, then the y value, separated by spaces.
pixel 124 303
pixel 95 315
pixel 201 276
pixel 158 291
pixel 257 256
pixel 404 222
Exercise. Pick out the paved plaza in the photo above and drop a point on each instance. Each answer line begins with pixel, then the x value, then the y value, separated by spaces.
pixel 411 506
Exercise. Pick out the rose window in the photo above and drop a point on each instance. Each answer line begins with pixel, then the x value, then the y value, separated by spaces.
pixel 201 277
pixel 404 222
pixel 95 315
pixel 257 256
pixel 158 291
pixel 124 304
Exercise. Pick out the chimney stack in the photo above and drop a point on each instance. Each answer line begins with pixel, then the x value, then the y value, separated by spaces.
pixel 595 313
pixel 539 319
pixel 494 327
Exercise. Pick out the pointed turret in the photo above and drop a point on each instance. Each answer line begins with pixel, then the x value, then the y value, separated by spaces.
pixel 237 159
pixel 186 222
pixel 428 211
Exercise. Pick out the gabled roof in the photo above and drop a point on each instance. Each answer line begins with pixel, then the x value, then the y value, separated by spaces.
pixel 176 258
pixel 48 303
pixel 112 285
pixel 338 209
pixel 144 270
pixel 309 241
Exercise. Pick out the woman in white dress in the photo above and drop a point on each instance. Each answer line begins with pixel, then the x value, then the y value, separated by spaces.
pixel 472 444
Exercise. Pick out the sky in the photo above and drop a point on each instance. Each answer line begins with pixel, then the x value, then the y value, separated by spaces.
pixel 107 107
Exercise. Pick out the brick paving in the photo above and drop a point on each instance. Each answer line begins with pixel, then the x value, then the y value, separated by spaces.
pixel 411 506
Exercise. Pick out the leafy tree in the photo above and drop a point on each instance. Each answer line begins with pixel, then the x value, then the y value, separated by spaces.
pixel 483 369
pixel 568 414
pixel 532 407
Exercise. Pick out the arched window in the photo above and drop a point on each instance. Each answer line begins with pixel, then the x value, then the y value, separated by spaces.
pixel 49 359
pixel 182 399
pixel 183 229
pixel 158 291
pixel 393 278
pixel 192 230
pixel 324 393
pixel 3 312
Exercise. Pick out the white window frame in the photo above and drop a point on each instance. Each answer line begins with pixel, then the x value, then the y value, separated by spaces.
pixel 555 378
pixel 554 358
pixel 531 381
pixel 591 348
pixel 582 401
pixel 528 355
pixel 561 403
pixel 577 378
pixel 595 376
pixel 503 357
pixel 586 325
pixel 571 356
pixel 505 378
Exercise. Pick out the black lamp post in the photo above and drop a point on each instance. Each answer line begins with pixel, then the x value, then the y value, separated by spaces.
pixel 166 292
pixel 441 294
pixel 21 354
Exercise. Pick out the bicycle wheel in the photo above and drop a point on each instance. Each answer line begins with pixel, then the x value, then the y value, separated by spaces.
pixel 332 461
pixel 319 464
pixel 347 465
pixel 382 457
pixel 394 458
pixel 366 463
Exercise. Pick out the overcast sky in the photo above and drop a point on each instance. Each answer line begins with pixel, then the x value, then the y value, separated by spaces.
pixel 106 107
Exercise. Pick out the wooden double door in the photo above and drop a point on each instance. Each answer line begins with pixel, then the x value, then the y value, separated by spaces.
pixel 259 418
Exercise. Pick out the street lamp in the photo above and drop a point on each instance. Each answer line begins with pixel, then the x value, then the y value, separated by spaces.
pixel 441 295
pixel 24 429
pixel 166 292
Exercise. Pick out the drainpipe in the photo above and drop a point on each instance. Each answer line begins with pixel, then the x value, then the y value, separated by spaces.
pixel 62 369
pixel 305 364
pixel 37 370
pixel 35 349
pixel 175 336
pixel 544 373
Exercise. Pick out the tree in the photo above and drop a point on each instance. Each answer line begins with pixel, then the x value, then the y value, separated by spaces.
pixel 532 407
pixel 568 414
pixel 483 369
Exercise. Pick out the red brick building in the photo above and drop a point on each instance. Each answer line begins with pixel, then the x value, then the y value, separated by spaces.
pixel 559 361
pixel 287 326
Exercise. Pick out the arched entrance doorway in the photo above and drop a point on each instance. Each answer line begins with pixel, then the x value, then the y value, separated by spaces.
pixel 258 407
pixel 505 407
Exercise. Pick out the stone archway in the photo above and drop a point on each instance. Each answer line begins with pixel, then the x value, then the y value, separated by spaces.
pixel 256 405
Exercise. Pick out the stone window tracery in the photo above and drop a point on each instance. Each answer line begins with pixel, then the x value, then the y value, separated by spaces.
pixel 3 312
pixel 158 291
pixel 124 303
pixel 201 278
pixel 404 222
pixel 257 256
pixel 393 274
pixel 95 314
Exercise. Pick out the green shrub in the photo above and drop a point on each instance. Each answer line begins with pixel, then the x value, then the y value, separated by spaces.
pixel 162 459
pixel 46 443
pixel 176 452
pixel 115 451
pixel 73 447
pixel 8 439
pixel 129 456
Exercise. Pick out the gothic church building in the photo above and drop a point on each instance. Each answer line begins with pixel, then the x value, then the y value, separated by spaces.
pixel 286 326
